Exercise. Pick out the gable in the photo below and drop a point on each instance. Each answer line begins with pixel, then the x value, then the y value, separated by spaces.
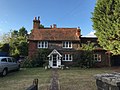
pixel 54 52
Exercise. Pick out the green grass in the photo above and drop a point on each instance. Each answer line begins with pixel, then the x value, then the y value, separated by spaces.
pixel 73 79
pixel 80 79
pixel 22 79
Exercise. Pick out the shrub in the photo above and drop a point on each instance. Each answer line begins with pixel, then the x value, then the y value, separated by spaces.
pixel 85 59
pixel 38 60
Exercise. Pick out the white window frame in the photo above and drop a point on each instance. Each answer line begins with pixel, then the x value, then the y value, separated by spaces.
pixel 42 44
pixel 67 44
pixel 67 57
pixel 97 57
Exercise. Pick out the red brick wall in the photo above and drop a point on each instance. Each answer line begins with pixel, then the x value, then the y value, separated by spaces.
pixel 32 48
pixel 59 45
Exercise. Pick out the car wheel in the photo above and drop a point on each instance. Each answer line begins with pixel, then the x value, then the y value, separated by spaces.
pixel 4 73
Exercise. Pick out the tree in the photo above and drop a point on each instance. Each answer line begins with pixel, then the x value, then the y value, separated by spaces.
pixel 4 48
pixel 5 38
pixel 17 40
pixel 106 23
pixel 22 32
pixel 41 26
pixel 23 48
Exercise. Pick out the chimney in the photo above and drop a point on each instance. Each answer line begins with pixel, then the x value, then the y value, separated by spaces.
pixel 54 26
pixel 78 32
pixel 50 26
pixel 36 23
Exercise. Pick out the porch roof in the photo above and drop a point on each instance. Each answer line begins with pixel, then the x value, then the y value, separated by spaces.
pixel 54 52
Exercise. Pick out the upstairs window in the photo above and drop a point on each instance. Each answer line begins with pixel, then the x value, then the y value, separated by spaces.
pixel 67 44
pixel 97 57
pixel 67 57
pixel 43 44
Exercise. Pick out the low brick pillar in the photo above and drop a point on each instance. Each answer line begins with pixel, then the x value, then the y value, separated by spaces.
pixel 108 81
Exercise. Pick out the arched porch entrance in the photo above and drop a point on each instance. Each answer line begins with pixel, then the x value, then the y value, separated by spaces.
pixel 55 59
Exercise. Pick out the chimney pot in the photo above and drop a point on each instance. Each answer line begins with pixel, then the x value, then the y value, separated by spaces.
pixel 34 18
pixel 50 26
pixel 54 26
pixel 36 23
pixel 78 27
pixel 38 17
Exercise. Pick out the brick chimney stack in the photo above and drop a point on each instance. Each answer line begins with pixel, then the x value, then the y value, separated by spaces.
pixel 54 26
pixel 78 32
pixel 36 23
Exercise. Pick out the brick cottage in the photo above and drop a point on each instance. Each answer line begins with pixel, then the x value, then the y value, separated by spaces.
pixel 64 43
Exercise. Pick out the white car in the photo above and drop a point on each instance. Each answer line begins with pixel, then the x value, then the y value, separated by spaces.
pixel 8 64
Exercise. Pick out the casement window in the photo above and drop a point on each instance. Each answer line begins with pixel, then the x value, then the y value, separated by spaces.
pixel 43 44
pixel 67 57
pixel 97 57
pixel 67 44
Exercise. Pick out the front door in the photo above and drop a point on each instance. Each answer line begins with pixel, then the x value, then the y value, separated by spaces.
pixel 54 60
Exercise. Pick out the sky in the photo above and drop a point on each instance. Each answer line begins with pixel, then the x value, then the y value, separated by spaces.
pixel 15 14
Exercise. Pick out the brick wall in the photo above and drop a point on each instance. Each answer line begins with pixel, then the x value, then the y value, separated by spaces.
pixel 58 45
pixel 32 47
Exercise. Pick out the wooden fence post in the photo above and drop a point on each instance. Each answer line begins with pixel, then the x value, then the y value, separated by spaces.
pixel 34 86
pixel 35 83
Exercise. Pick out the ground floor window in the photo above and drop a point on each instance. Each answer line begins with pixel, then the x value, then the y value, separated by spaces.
pixel 97 57
pixel 67 57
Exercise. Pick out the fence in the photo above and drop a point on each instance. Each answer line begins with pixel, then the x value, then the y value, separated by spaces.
pixel 34 86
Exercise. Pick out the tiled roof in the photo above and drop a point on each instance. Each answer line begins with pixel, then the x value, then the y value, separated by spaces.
pixel 54 34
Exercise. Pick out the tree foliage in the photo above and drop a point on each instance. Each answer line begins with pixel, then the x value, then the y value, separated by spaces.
pixel 22 32
pixel 41 26
pixel 4 48
pixel 106 23
pixel 5 38
pixel 17 40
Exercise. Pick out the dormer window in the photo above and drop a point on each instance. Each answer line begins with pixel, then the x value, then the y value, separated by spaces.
pixel 67 44
pixel 43 44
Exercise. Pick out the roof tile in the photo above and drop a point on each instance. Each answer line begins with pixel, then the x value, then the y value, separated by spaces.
pixel 54 34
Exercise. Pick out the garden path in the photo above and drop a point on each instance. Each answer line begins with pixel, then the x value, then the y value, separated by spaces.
pixel 54 81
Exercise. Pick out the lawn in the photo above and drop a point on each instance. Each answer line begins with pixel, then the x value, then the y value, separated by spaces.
pixel 81 79
pixel 22 79
pixel 73 79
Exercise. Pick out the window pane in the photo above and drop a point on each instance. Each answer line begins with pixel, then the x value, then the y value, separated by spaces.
pixel 42 44
pixel 9 60
pixel 70 57
pixel 67 56
pixel 63 44
pixel 70 44
pixel 46 44
pixel 97 57
pixel 67 44
pixel 4 60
